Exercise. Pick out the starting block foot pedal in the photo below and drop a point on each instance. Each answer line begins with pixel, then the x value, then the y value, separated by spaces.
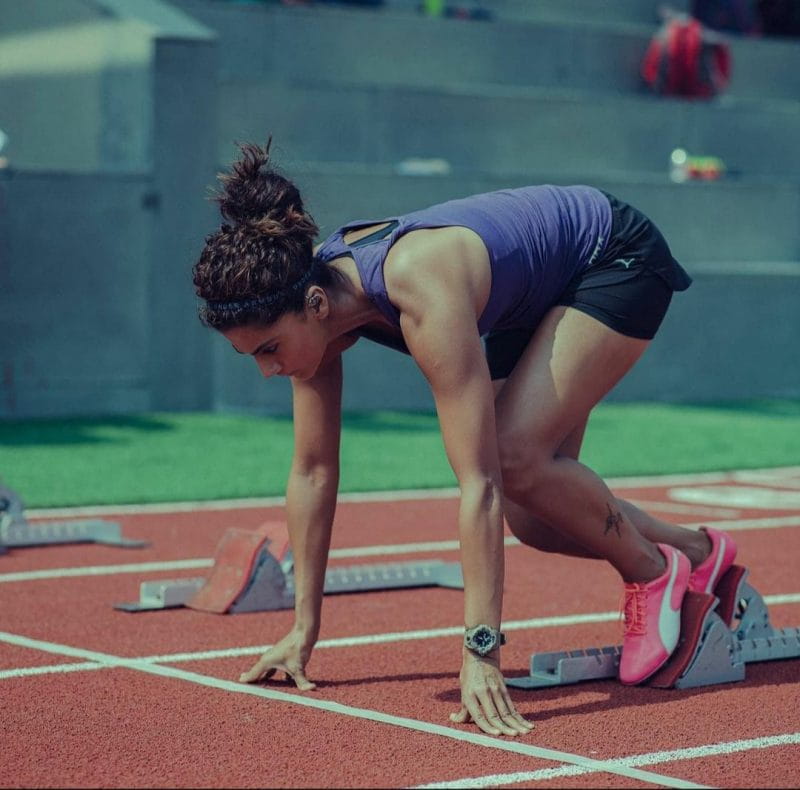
pixel 242 570
pixel 720 634
pixel 726 590
pixel 253 572
pixel 696 627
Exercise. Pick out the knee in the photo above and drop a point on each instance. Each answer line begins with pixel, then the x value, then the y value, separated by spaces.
pixel 522 465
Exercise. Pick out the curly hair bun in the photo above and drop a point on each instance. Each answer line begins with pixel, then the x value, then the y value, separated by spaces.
pixel 254 193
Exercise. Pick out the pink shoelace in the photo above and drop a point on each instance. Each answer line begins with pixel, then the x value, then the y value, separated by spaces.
pixel 634 609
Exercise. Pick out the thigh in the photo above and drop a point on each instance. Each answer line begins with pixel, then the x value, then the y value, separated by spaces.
pixel 570 363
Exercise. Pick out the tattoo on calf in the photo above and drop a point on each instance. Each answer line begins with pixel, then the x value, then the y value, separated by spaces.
pixel 613 521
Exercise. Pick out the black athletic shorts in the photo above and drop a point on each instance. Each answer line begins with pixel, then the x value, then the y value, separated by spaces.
pixel 628 288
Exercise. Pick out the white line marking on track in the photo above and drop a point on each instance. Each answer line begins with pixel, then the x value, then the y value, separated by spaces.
pixel 651 481
pixel 52 669
pixel 654 758
pixel 106 570
pixel 396 636
pixel 675 507
pixel 406 548
pixel 207 562
pixel 347 710
pixel 738 496
pixel 235 504
pixel 772 522
pixel 558 621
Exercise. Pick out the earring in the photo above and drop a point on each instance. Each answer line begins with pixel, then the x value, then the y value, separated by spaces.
pixel 313 301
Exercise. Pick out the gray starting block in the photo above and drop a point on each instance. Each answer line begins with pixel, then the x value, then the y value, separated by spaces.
pixel 17 532
pixel 719 636
pixel 254 572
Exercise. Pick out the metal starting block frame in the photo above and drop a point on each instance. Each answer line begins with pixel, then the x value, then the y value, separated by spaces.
pixel 254 572
pixel 718 653
pixel 17 532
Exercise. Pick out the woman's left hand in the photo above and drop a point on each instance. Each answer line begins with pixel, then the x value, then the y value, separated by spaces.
pixel 485 699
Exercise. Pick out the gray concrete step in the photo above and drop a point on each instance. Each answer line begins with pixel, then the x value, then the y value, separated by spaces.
pixel 604 11
pixel 384 48
pixel 511 130
pixel 711 221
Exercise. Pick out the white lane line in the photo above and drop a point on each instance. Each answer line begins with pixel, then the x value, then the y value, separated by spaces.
pixel 559 621
pixel 650 481
pixel 207 562
pixel 52 669
pixel 107 570
pixel 772 522
pixel 235 504
pixel 675 507
pixel 654 758
pixel 396 636
pixel 347 710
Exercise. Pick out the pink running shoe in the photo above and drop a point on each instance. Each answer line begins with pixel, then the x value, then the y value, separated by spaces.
pixel 653 618
pixel 705 576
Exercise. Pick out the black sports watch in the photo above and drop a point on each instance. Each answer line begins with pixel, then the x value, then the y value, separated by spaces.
pixel 482 639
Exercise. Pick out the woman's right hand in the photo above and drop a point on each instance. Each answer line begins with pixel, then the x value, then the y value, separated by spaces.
pixel 290 655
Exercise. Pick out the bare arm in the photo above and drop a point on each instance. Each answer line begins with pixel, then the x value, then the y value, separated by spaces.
pixel 312 487
pixel 310 506
pixel 440 330
pixel 439 323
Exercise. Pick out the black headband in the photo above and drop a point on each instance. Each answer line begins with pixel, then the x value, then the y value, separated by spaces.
pixel 267 299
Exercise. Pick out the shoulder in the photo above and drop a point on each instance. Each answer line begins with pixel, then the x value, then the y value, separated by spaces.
pixel 427 269
pixel 437 252
pixel 415 267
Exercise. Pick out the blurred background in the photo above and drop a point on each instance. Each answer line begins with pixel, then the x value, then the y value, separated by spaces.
pixel 117 114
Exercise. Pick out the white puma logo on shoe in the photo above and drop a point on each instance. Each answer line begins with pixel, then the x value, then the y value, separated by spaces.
pixel 669 618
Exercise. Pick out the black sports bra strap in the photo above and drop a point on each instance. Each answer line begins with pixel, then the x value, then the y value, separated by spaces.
pixel 377 235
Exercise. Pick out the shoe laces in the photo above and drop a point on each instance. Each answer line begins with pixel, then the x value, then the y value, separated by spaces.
pixel 634 608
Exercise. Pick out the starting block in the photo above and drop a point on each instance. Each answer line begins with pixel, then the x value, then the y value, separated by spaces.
pixel 720 634
pixel 17 532
pixel 254 572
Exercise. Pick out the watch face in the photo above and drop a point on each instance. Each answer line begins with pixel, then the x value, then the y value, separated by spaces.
pixel 483 638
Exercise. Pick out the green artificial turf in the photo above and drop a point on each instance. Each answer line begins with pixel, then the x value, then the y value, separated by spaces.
pixel 170 457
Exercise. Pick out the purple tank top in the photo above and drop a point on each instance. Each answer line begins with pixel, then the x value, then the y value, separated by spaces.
pixel 537 237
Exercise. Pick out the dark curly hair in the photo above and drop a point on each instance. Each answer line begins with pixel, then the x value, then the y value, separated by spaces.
pixel 258 265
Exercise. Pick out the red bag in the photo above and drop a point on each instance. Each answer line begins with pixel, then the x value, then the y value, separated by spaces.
pixel 686 59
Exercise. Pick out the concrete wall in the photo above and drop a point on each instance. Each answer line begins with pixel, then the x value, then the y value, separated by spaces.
pixel 107 106
pixel 733 334
pixel 180 368
pixel 120 112
pixel 582 45
pixel 74 88
pixel 73 302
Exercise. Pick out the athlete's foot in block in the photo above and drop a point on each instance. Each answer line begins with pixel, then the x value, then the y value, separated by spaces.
pixel 698 548
pixel 653 618
pixel 719 557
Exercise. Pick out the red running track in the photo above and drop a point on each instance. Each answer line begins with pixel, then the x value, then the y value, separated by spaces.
pixel 94 697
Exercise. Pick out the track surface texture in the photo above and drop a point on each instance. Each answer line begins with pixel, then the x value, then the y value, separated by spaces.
pixel 95 697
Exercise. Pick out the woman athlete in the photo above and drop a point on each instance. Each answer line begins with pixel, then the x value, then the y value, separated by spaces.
pixel 567 284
